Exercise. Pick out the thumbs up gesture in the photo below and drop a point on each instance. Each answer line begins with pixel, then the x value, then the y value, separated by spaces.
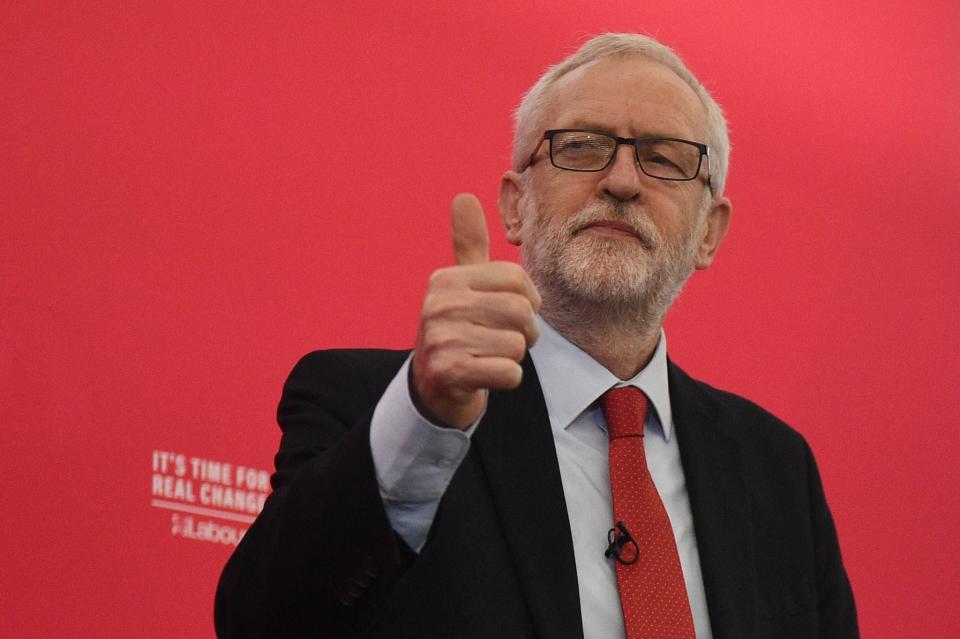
pixel 475 327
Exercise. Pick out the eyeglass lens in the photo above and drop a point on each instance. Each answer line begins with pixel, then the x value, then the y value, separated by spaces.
pixel 585 151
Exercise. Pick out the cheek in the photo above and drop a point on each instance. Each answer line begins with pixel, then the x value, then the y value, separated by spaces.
pixel 568 189
pixel 668 218
pixel 676 214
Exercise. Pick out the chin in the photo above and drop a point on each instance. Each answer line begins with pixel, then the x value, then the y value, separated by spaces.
pixel 604 272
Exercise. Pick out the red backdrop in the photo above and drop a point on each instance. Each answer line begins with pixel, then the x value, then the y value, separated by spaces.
pixel 195 194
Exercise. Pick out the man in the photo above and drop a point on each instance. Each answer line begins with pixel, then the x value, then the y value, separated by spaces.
pixel 468 489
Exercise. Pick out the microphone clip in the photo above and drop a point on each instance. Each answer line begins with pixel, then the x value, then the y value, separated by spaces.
pixel 621 545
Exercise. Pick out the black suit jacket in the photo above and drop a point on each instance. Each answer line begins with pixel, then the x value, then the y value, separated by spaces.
pixel 322 560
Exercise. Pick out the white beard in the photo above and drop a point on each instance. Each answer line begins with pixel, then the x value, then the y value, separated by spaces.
pixel 584 276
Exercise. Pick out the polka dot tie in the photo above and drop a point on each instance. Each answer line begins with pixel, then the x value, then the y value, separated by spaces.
pixel 652 591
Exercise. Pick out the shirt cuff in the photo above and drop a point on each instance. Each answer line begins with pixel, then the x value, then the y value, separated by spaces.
pixel 414 459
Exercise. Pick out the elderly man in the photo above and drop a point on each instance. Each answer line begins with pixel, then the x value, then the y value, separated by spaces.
pixel 538 467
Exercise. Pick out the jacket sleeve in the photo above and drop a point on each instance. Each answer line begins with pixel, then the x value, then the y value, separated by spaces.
pixel 835 605
pixel 322 553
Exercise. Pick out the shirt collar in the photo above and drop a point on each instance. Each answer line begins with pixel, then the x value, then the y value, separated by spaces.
pixel 572 380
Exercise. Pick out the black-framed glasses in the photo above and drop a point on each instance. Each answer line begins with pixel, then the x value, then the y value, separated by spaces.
pixel 590 151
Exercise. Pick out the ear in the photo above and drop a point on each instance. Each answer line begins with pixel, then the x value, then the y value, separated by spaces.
pixel 511 205
pixel 718 219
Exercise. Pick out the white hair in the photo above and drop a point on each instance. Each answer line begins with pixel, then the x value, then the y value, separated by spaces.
pixel 532 107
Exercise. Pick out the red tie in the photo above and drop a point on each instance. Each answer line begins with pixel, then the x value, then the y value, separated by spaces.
pixel 652 591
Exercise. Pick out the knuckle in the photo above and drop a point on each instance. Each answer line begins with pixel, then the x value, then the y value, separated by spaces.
pixel 513 376
pixel 442 278
pixel 432 304
pixel 515 275
pixel 517 346
pixel 429 304
pixel 518 307
pixel 533 332
pixel 437 373
pixel 452 371
pixel 439 337
pixel 443 303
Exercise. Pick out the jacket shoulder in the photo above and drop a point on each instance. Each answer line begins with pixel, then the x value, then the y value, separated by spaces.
pixel 342 377
pixel 735 415
pixel 352 363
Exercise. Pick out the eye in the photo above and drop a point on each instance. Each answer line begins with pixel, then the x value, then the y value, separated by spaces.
pixel 668 159
pixel 662 160
pixel 581 150
pixel 582 143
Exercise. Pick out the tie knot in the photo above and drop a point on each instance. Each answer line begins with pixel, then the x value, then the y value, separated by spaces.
pixel 625 411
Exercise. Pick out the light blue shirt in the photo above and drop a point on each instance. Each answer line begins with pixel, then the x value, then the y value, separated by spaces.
pixel 415 461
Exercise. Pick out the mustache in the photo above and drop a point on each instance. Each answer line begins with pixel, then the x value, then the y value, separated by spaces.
pixel 624 214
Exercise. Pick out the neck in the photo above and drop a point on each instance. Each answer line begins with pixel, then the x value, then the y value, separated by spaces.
pixel 622 340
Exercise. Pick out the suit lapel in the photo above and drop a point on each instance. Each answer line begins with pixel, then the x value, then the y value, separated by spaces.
pixel 516 449
pixel 721 512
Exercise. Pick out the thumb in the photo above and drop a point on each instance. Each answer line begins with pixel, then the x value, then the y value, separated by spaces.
pixel 471 244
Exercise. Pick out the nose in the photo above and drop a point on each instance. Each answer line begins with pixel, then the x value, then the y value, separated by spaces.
pixel 621 178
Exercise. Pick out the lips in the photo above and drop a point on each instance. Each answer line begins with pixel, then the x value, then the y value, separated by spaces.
pixel 612 227
pixel 616 228
pixel 611 221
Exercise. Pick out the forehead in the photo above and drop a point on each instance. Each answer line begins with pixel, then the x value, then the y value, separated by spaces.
pixel 626 95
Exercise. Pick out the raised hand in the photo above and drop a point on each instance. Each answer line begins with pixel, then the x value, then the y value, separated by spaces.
pixel 476 325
